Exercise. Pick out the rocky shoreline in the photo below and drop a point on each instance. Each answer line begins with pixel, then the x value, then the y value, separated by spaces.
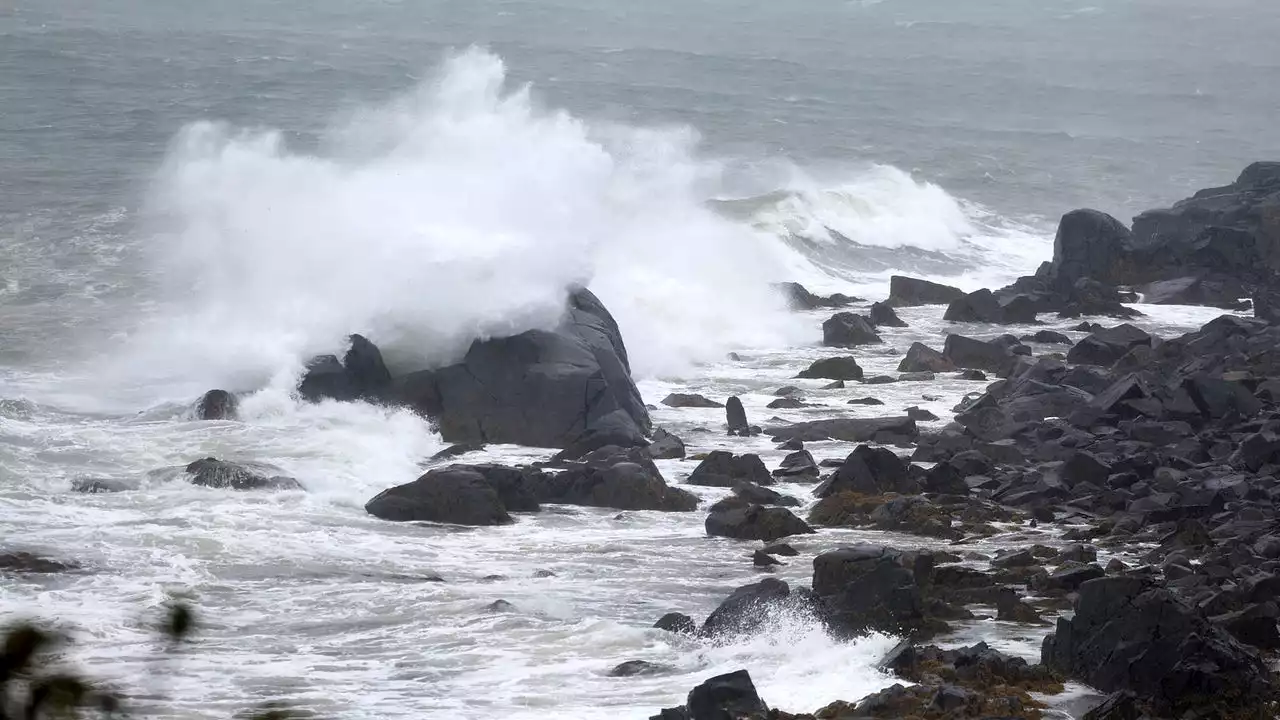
pixel 1167 449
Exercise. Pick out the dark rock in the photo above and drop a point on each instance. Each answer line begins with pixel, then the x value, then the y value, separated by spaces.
pixel 561 388
pixel 798 466
pixel 787 391
pixel 665 446
pixel 762 559
pixel 868 471
pixel 837 385
pixel 799 298
pixel 880 380
pixel 1221 292
pixel 214 473
pixel 736 416
pixel 982 306
pixel 632 668
pixel 837 368
pixel 756 495
pixel 922 358
pixel 1048 337
pixel 917 377
pixel 101 485
pixel 973 354
pixel 25 563
pixel 500 606
pixel 1129 635
pixel 910 292
pixel 782 549
pixel 848 330
pixel 1254 625
pixel 457 495
pixel 846 429
pixel 866 401
pixel 360 375
pixel 689 400
pixel 217 405
pixel 454 451
pixel 678 623
pixel 1082 467
pixel 973 375
pixel 755 522
pixel 622 482
pixel 1224 232
pixel 747 608
pixel 882 315
pixel 920 415
pixel 1090 244
pixel 724 469
pixel 786 403
pixel 870 588
pixel 726 697
pixel 1107 346
pixel 1121 705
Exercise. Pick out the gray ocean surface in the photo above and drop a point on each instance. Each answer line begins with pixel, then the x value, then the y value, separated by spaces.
pixel 203 194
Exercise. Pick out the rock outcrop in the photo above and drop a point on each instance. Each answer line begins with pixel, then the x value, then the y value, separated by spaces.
pixel 569 387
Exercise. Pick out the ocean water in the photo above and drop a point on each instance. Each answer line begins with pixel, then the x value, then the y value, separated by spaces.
pixel 198 195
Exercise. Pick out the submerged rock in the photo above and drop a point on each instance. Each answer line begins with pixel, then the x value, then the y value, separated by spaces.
pixel 837 368
pixel 755 522
pixel 214 473
pixel 848 330
pixel 690 400
pixel 910 292
pixel 217 405
pixel 724 469
pixel 458 495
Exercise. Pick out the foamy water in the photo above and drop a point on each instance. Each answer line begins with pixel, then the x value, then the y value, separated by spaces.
pixel 433 208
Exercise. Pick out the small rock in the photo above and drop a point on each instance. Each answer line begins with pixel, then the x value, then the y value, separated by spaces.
pixel 678 623
pixel 632 668
pixel 866 401
pixel 761 559
pixel 690 400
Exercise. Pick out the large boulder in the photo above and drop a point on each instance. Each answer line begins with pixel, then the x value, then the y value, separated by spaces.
pixel 746 608
pixel 665 446
pixel 836 368
pixel 627 481
pixel 214 473
pixel 979 306
pixel 971 354
pixel 910 292
pixel 1090 244
pixel 1107 346
pixel 690 400
pixel 1127 634
pixel 567 387
pixel 458 495
pixel 881 314
pixel 848 330
pixel 360 375
pixel 724 469
pixel 847 429
pixel 217 405
pixel 736 417
pixel 799 298
pixel 724 697
pixel 922 358
pixel 755 522
pixel 1232 231
pixel 868 471
pixel 1225 292
pixel 870 588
